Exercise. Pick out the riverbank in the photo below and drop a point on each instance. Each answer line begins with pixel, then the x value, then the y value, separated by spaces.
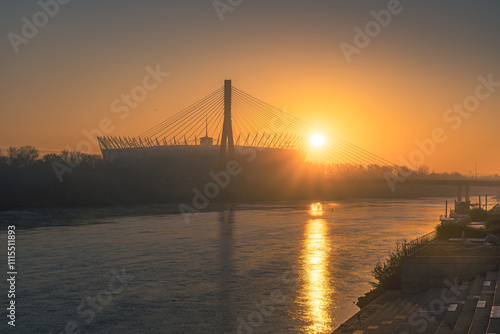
pixel 459 292
pixel 115 192
pixel 454 260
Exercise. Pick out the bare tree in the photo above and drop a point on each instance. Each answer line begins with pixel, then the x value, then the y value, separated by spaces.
pixel 423 170
pixel 22 156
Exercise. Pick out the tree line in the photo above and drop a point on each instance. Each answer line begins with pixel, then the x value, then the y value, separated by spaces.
pixel 28 179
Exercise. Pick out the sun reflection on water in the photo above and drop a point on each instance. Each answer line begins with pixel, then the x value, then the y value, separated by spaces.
pixel 316 209
pixel 316 292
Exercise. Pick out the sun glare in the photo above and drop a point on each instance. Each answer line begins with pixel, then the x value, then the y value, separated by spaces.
pixel 316 209
pixel 317 140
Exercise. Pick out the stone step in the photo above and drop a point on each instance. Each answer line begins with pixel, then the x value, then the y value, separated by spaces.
pixel 395 307
pixel 492 275
pixel 388 314
pixel 467 314
pixel 367 314
pixel 496 300
pixel 454 309
pixel 447 303
pixel 423 312
pixel 389 317
pixel 374 318
pixel 390 324
pixel 494 323
pixel 481 318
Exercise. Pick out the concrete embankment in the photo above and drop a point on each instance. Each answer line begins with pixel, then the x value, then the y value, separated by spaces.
pixel 445 289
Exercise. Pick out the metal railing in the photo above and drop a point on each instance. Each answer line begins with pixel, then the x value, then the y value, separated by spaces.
pixel 414 245
pixel 457 250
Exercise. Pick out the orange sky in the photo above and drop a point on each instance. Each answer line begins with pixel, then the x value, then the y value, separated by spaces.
pixel 394 92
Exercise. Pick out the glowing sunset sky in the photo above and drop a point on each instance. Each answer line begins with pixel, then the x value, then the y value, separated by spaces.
pixel 394 91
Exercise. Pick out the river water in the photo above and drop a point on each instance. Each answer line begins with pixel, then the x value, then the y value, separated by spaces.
pixel 254 268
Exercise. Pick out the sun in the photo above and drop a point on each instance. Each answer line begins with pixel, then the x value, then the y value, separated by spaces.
pixel 317 140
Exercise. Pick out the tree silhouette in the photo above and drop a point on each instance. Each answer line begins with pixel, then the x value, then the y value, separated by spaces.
pixel 26 180
pixel 23 156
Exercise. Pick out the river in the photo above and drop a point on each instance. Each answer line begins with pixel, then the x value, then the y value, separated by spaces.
pixel 294 267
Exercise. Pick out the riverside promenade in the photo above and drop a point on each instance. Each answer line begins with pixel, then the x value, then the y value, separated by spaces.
pixel 445 289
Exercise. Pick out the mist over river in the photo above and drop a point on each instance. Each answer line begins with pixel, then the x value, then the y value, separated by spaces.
pixel 282 267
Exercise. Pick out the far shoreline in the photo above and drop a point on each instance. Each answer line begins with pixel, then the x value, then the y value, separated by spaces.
pixel 48 216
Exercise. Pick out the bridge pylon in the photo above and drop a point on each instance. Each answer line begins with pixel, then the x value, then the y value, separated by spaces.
pixel 226 151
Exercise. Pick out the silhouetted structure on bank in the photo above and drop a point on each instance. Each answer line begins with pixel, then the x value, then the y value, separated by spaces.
pixel 202 138
pixel 230 124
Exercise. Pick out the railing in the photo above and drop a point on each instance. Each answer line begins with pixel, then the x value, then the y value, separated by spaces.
pixel 414 245
pixel 457 250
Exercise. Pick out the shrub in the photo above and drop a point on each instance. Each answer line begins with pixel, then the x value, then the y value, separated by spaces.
pixel 479 215
pixel 448 230
pixel 369 297
pixel 388 272
pixel 492 225
pixel 454 230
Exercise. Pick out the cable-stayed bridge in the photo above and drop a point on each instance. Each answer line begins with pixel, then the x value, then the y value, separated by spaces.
pixel 232 132
pixel 230 124
pixel 228 118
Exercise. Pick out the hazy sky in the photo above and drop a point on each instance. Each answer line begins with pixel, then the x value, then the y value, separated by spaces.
pixel 394 91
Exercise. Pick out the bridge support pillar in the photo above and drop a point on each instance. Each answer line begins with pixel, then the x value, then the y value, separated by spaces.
pixel 459 193
pixel 467 194
pixel 226 151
